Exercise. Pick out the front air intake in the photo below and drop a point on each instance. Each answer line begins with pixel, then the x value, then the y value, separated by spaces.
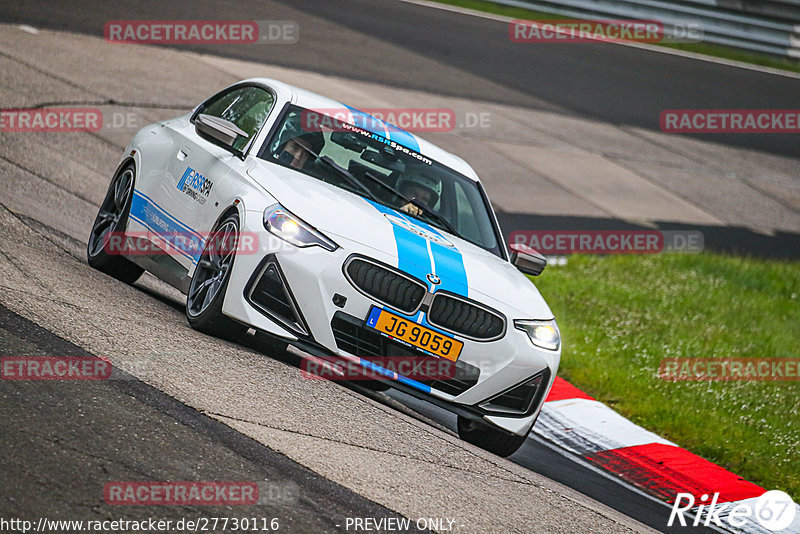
pixel 352 336
pixel 268 291
pixel 520 400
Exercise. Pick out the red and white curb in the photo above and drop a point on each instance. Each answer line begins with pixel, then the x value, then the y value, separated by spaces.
pixel 575 422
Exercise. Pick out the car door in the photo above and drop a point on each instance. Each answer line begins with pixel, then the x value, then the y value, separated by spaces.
pixel 198 170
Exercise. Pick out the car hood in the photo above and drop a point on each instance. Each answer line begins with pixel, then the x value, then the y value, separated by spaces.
pixel 407 243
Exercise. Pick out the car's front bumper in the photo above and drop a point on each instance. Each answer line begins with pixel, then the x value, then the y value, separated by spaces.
pixel 313 276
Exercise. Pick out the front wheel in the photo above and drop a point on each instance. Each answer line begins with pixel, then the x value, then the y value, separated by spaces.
pixel 489 438
pixel 110 222
pixel 210 282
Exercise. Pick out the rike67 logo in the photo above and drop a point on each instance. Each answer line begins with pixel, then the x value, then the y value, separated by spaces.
pixel 774 511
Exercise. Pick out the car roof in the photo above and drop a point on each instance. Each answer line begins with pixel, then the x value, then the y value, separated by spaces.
pixel 310 100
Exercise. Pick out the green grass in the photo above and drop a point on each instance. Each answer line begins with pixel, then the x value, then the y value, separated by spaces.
pixel 620 315
pixel 707 49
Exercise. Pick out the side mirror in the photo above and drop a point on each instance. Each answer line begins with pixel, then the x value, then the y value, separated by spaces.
pixel 527 260
pixel 221 130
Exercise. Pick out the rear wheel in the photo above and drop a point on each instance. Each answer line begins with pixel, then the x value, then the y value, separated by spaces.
pixel 492 439
pixel 111 221
pixel 210 282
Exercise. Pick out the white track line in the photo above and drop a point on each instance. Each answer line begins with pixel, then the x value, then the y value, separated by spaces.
pixel 28 29
pixel 586 426
pixel 540 439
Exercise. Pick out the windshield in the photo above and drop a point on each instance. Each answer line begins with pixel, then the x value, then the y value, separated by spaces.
pixel 382 171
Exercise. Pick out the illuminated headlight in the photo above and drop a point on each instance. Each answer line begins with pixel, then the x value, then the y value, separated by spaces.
pixel 543 334
pixel 284 224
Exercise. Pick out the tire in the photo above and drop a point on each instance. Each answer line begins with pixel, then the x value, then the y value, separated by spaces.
pixel 210 282
pixel 112 218
pixel 491 439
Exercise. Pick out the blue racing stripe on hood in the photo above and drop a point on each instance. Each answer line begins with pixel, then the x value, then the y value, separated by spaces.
pixel 449 263
pixel 450 269
pixel 412 251
pixel 419 256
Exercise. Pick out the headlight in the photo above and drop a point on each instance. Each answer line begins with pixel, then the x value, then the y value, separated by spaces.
pixel 543 334
pixel 284 224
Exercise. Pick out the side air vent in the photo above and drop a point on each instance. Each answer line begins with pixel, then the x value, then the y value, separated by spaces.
pixel 521 399
pixel 269 292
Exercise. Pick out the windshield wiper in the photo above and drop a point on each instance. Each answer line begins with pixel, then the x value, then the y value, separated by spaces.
pixel 347 175
pixel 355 181
pixel 447 224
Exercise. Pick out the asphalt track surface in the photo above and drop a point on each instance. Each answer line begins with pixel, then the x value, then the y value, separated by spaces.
pixel 398 44
pixel 198 408
pixel 66 440
pixel 405 45
pixel 464 66
pixel 555 464
pixel 69 439
pixel 51 188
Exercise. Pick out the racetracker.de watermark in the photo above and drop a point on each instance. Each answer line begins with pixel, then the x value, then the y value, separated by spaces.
pixel 563 242
pixel 67 119
pixel 606 30
pixel 181 493
pixel 147 243
pixel 730 120
pixel 51 120
pixel 378 367
pixel 54 368
pixel 730 369
pixel 202 31
pixel 406 119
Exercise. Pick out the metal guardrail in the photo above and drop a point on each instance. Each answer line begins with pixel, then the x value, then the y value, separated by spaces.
pixel 766 26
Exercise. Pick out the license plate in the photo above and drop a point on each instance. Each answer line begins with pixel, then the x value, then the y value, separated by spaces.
pixel 414 334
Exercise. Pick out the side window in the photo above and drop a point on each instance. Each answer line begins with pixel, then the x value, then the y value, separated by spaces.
pixel 466 218
pixel 246 107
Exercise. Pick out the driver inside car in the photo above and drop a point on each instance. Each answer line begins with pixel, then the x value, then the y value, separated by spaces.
pixel 300 151
pixel 421 189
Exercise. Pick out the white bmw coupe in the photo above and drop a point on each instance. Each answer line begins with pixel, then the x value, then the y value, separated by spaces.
pixel 277 209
